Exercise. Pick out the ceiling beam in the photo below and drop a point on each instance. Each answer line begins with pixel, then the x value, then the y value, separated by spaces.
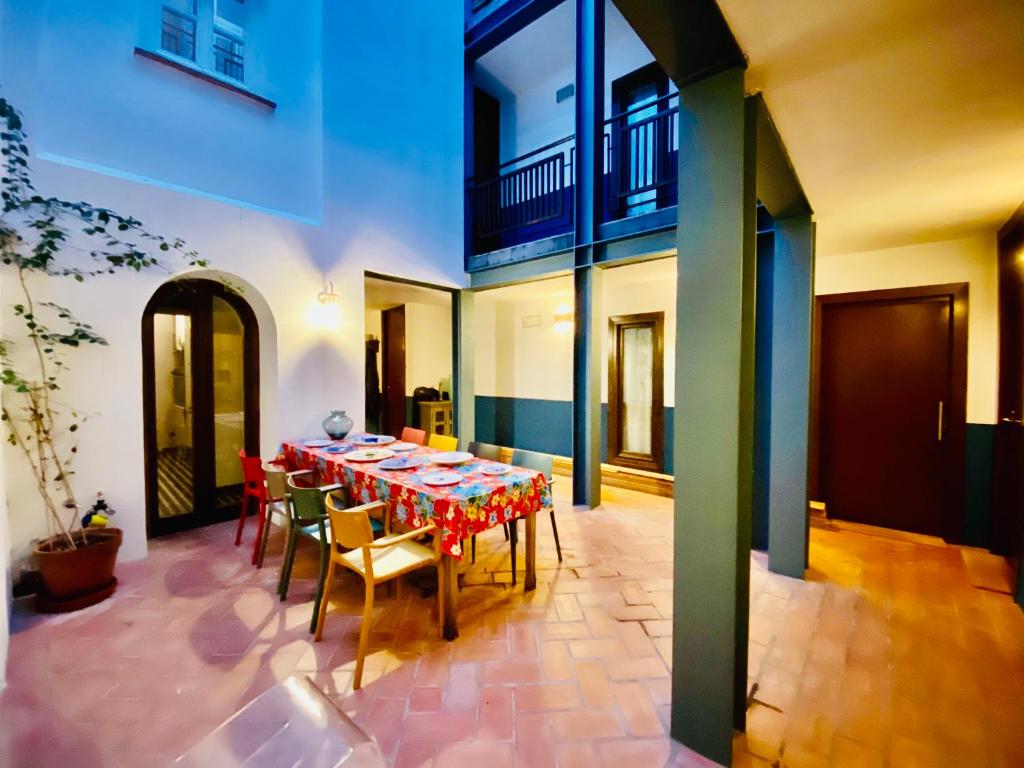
pixel 778 187
pixel 689 38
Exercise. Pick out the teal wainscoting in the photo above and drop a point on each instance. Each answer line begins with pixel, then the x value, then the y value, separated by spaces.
pixel 543 425
pixel 978 484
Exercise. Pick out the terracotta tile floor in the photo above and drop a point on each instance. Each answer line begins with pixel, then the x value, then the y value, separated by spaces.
pixel 885 656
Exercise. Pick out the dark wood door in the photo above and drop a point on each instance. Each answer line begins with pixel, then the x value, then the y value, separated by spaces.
pixel 886 398
pixel 486 134
pixel 1008 479
pixel 393 369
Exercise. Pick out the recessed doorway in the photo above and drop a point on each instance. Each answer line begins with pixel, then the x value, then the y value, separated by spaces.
pixel 200 345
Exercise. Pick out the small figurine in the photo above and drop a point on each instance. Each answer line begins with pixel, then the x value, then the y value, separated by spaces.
pixel 99 514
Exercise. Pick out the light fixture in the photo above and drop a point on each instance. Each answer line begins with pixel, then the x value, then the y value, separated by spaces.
pixel 325 315
pixel 563 318
pixel 180 331
pixel 327 295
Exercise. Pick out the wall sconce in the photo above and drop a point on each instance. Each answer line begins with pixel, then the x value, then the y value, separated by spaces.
pixel 563 318
pixel 180 332
pixel 326 313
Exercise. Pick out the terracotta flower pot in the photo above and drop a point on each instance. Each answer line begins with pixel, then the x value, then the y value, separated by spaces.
pixel 75 578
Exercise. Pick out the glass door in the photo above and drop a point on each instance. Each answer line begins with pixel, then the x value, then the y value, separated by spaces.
pixel 635 391
pixel 200 352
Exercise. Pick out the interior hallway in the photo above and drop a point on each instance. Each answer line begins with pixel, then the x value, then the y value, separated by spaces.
pixel 886 656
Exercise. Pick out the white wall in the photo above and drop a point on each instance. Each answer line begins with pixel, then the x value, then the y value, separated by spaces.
pixel 428 345
pixel 386 173
pixel 971 260
pixel 536 362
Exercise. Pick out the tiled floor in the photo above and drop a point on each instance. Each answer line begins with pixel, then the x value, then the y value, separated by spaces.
pixel 885 656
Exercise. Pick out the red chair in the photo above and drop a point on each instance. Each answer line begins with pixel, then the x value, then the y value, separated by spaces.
pixel 255 489
pixel 410 435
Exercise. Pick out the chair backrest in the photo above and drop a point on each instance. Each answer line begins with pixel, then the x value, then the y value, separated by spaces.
pixel 413 435
pixel 307 503
pixel 277 482
pixel 539 462
pixel 485 451
pixel 252 470
pixel 350 528
pixel 444 442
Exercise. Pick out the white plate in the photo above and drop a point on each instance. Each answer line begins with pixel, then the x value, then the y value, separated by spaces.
pixel 318 443
pixel 401 462
pixel 403 446
pixel 442 478
pixel 494 470
pixel 451 458
pixel 370 454
pixel 373 440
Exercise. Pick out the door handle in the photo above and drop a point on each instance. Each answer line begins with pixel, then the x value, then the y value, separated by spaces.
pixel 1008 420
pixel 940 420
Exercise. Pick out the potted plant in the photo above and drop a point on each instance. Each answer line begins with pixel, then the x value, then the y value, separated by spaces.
pixel 53 238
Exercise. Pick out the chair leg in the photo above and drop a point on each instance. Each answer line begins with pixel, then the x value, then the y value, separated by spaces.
pixel 286 566
pixel 513 540
pixel 266 535
pixel 325 556
pixel 554 530
pixel 441 586
pixel 241 517
pixel 261 526
pixel 364 636
pixel 322 615
pixel 473 546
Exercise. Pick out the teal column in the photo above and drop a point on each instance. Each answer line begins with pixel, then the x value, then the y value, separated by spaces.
pixel 586 395
pixel 588 168
pixel 792 313
pixel 714 414
pixel 464 368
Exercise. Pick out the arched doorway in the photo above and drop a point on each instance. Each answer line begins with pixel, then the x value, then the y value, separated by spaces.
pixel 200 356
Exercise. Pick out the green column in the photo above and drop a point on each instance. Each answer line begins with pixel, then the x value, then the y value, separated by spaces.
pixel 714 414
pixel 586 394
pixel 792 312
pixel 464 366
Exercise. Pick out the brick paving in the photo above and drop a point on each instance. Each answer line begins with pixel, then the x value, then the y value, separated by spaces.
pixel 884 656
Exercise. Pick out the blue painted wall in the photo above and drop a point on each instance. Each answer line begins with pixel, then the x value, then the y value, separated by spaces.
pixel 978 484
pixel 543 425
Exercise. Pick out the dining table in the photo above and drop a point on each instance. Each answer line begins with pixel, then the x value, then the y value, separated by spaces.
pixel 486 495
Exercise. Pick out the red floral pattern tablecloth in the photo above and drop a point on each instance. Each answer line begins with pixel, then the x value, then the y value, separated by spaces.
pixel 479 502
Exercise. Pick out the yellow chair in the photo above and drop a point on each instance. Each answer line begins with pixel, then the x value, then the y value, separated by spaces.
pixel 443 442
pixel 376 561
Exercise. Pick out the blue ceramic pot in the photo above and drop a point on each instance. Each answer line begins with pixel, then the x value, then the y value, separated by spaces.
pixel 337 425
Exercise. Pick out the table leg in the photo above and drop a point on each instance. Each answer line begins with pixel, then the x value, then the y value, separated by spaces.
pixel 531 552
pixel 451 597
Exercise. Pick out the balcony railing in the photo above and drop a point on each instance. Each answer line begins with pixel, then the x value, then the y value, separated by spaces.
pixel 642 159
pixel 530 198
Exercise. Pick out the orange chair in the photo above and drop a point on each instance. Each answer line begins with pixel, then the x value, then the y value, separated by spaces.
pixel 410 435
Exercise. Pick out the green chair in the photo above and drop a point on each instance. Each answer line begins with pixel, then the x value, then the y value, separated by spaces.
pixel 309 519
pixel 543 463
pixel 490 453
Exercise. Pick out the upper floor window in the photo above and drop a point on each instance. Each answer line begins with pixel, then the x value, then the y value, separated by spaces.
pixel 210 33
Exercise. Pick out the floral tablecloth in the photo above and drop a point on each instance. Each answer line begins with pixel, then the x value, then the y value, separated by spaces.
pixel 477 503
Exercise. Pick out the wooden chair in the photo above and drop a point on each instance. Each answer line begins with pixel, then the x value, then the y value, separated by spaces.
pixel 490 453
pixel 376 562
pixel 443 442
pixel 276 508
pixel 411 435
pixel 253 490
pixel 543 463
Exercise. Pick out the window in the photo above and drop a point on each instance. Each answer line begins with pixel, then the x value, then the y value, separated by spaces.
pixel 178 29
pixel 210 33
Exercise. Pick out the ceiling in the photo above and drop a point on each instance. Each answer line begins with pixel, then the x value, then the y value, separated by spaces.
pixel 385 294
pixel 904 120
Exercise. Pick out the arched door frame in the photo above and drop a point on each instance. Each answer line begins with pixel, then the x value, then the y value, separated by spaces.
pixel 195 296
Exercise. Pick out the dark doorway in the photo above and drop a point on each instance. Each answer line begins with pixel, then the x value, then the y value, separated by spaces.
pixel 200 349
pixel 486 134
pixel 636 391
pixel 393 370
pixel 891 375
pixel 1008 479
